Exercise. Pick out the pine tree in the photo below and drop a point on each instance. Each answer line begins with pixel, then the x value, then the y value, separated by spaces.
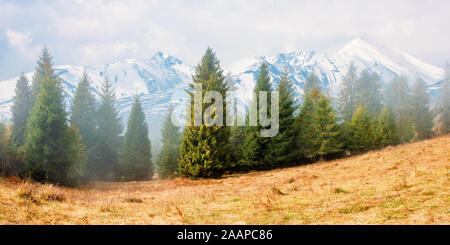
pixel 109 140
pixel 312 82
pixel 20 110
pixel 136 153
pixel 368 92
pixel 398 95
pixel 168 158
pixel 52 148
pixel 386 130
pixel 362 131
pixel 205 150
pixel 347 96
pixel 306 127
pixel 43 70
pixel 237 140
pixel 422 118
pixel 281 145
pixel 319 133
pixel 83 117
pixel 327 139
pixel 443 107
pixel 255 148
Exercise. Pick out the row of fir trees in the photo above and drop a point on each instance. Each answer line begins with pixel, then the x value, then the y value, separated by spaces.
pixel 47 144
pixel 363 117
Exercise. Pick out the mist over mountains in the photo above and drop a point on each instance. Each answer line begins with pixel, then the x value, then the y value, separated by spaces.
pixel 162 79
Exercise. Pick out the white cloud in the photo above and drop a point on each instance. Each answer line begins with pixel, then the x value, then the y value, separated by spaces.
pixel 19 40
pixel 91 32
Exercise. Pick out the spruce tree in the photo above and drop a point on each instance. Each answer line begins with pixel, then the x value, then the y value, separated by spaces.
pixel 327 139
pixel 312 82
pixel 281 145
pixel 136 153
pixel 318 131
pixel 386 130
pixel 255 148
pixel 83 117
pixel 106 162
pixel 205 150
pixel 368 92
pixel 44 69
pixel 20 110
pixel 237 140
pixel 305 126
pixel 398 95
pixel 443 106
pixel 422 118
pixel 53 152
pixel 347 96
pixel 362 130
pixel 168 158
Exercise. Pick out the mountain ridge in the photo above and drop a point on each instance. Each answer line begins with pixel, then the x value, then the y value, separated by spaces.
pixel 162 78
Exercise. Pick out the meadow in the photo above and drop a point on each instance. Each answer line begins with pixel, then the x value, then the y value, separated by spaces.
pixel 406 184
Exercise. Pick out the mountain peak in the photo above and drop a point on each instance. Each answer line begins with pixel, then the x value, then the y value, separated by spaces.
pixel 168 59
pixel 357 45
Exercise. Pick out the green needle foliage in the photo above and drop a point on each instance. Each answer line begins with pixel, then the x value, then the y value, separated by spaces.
pixel 168 158
pixel 281 145
pixel 109 129
pixel 53 152
pixel 20 110
pixel 205 150
pixel 422 118
pixel 386 129
pixel 256 148
pixel 83 117
pixel 362 131
pixel 136 153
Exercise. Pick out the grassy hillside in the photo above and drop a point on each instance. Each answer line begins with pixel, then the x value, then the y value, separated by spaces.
pixel 408 184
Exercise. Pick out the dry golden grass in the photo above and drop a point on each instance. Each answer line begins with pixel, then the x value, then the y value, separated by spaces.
pixel 408 184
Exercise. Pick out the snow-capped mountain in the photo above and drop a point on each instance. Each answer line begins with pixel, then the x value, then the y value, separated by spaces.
pixel 332 67
pixel 157 81
pixel 162 79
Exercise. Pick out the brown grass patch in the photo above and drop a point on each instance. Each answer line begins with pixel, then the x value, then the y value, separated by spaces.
pixel 407 184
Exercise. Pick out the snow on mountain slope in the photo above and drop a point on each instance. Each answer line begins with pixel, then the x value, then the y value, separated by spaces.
pixel 162 79
pixel 157 81
pixel 332 68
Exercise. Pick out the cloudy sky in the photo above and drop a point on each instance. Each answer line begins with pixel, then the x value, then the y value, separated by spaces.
pixel 87 32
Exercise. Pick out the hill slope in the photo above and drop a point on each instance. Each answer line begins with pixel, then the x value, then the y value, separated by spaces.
pixel 407 184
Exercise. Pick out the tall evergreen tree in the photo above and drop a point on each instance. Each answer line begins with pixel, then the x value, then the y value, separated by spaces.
pixel 20 110
pixel 327 139
pixel 398 95
pixel 83 117
pixel 205 150
pixel 43 70
pixel 306 127
pixel 281 145
pixel 168 158
pixel 136 153
pixel 52 149
pixel 312 82
pixel 422 118
pixel 319 133
pixel 347 96
pixel 109 140
pixel 443 107
pixel 255 148
pixel 368 92
pixel 386 130
pixel 362 130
